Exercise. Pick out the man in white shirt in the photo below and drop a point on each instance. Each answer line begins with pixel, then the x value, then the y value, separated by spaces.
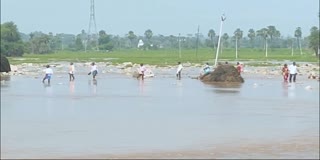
pixel 48 73
pixel 179 69
pixel 293 72
pixel 71 72
pixel 94 70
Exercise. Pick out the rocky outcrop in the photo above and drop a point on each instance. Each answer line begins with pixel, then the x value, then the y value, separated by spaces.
pixel 5 65
pixel 223 73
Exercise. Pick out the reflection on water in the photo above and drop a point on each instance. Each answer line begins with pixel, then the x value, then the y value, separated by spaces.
pixel 5 77
pixel 219 91
pixel 5 80
pixel 45 85
pixel 222 88
pixel 141 86
pixel 285 89
pixel 225 85
pixel 71 87
pixel 64 119
pixel 93 86
pixel 291 90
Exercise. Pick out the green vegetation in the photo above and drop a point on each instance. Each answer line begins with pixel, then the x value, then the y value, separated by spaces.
pixel 264 45
pixel 168 57
pixel 11 43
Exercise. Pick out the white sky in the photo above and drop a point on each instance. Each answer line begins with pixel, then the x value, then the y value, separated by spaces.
pixel 166 17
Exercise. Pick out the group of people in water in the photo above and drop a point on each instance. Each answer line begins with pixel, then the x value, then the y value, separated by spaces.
pixel 141 71
pixel 48 72
pixel 288 72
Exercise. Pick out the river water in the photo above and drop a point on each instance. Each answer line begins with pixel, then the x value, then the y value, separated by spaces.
pixel 119 115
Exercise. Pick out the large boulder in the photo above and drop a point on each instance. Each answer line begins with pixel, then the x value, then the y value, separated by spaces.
pixel 223 73
pixel 5 65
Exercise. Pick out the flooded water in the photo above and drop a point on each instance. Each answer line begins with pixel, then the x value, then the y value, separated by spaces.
pixel 120 115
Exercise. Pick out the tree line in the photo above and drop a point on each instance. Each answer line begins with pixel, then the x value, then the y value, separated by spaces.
pixel 14 43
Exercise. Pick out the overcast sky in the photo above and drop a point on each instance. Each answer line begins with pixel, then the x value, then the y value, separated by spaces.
pixel 166 17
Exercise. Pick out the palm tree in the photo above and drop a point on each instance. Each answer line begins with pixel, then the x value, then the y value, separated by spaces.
pixel 298 34
pixel 238 33
pixel 211 35
pixel 131 37
pixel 290 43
pixel 251 35
pixel 148 33
pixel 263 33
pixel 31 41
pixel 314 43
pixel 225 38
pixel 273 32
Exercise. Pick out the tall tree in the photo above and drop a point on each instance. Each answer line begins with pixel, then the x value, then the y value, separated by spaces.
pixel 11 43
pixel 272 33
pixel 78 43
pixel 148 34
pixel 251 35
pixel 298 35
pixel 211 35
pixel 41 43
pixel 314 42
pixel 105 42
pixel 131 37
pixel 263 33
pixel 290 44
pixel 31 42
pixel 238 33
pixel 224 38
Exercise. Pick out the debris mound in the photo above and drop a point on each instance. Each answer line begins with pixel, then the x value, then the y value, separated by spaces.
pixel 223 73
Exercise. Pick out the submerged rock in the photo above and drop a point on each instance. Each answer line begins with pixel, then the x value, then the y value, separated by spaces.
pixel 147 74
pixel 5 65
pixel 223 73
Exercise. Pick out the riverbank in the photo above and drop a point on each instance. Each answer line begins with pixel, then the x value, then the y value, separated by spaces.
pixel 306 70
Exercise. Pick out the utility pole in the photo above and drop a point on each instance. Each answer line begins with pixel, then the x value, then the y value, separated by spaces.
pixel 266 47
pixel 197 43
pixel 236 46
pixel 92 23
pixel 223 18
pixel 292 48
pixel 179 46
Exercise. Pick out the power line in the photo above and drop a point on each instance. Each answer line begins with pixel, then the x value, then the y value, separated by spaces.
pixel 92 37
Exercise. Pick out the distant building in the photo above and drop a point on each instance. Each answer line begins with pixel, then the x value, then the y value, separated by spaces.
pixel 140 43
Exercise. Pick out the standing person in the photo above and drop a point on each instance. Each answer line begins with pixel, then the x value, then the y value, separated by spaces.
pixel 142 70
pixel 94 70
pixel 179 69
pixel 71 72
pixel 239 67
pixel 285 72
pixel 293 72
pixel 48 73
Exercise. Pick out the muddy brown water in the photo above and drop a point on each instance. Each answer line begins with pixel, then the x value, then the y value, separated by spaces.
pixel 119 116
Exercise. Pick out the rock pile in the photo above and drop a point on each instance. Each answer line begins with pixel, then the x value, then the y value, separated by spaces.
pixel 223 73
pixel 5 65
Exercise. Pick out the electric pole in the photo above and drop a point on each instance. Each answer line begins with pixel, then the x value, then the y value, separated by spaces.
pixel 92 37
pixel 223 18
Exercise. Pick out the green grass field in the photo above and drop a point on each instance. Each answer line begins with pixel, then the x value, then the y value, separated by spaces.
pixel 169 57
